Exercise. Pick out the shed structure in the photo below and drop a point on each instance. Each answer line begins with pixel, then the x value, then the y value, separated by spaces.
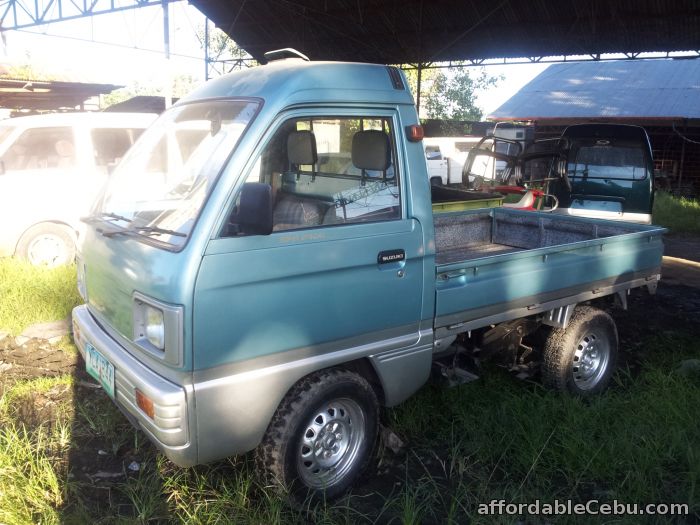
pixel 663 96
pixel 425 31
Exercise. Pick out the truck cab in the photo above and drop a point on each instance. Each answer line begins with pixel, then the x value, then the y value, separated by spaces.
pixel 610 173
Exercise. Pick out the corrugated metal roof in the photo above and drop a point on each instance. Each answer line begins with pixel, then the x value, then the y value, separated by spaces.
pixel 48 95
pixel 625 88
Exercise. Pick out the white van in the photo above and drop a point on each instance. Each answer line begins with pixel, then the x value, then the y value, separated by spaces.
pixel 51 168
pixel 446 157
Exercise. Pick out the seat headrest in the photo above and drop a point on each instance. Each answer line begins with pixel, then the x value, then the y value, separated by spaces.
pixel 371 150
pixel 301 147
pixel 64 148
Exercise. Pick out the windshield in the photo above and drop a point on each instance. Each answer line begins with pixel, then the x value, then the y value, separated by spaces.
pixel 603 160
pixel 161 184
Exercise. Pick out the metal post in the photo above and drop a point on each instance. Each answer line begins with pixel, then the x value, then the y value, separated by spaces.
pixel 168 84
pixel 206 49
pixel 680 170
pixel 420 74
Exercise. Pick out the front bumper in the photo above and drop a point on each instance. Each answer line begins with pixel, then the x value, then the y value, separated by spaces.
pixel 168 430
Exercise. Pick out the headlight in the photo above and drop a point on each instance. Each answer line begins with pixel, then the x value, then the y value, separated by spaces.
pixel 155 327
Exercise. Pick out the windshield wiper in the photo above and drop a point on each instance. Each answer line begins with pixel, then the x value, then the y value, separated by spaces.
pixel 104 217
pixel 145 230
pixel 142 230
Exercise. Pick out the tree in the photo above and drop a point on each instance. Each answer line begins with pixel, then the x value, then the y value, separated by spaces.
pixel 450 94
pixel 224 54
pixel 181 86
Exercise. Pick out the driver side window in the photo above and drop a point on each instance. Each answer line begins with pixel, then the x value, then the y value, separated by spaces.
pixel 329 171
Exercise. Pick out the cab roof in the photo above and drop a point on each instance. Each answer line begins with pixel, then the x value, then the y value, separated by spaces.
pixel 296 81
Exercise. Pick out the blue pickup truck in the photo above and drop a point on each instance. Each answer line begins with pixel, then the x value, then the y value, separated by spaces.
pixel 264 271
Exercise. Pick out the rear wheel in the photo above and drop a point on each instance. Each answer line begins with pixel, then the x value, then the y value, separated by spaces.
pixel 581 358
pixel 322 436
pixel 47 244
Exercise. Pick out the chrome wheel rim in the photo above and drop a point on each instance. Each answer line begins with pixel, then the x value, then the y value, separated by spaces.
pixel 47 250
pixel 330 443
pixel 591 360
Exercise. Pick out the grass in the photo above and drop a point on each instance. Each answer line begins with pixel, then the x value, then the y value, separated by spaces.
pixel 636 443
pixel 678 214
pixel 497 438
pixel 33 466
pixel 30 294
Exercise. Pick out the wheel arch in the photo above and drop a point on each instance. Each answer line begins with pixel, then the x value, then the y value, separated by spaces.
pixel 71 229
pixel 364 368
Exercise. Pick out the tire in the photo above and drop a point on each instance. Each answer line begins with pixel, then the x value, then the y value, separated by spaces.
pixel 47 244
pixel 333 412
pixel 580 359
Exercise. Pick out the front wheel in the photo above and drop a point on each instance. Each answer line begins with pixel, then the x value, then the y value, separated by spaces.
pixel 580 359
pixel 322 436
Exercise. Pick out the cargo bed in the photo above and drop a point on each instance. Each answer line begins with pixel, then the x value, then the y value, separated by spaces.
pixel 450 198
pixel 500 264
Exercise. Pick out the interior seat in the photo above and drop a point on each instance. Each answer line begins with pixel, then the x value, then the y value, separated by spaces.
pixel 294 210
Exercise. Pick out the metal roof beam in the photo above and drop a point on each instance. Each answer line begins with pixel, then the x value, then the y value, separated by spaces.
pixel 21 14
pixel 679 55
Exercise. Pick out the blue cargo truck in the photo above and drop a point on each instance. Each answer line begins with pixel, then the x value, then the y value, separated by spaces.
pixel 264 271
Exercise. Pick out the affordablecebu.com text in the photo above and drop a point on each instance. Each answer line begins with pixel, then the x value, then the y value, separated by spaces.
pixel 572 508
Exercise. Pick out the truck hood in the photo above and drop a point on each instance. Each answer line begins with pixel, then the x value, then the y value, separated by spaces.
pixel 118 268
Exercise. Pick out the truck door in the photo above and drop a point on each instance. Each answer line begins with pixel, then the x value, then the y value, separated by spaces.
pixel 342 268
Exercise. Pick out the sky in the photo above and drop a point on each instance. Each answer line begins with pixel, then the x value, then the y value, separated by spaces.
pixel 126 47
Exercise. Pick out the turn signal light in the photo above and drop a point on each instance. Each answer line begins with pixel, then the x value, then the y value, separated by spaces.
pixel 415 133
pixel 145 403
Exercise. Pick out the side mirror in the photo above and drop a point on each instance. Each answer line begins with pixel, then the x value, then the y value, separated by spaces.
pixel 254 214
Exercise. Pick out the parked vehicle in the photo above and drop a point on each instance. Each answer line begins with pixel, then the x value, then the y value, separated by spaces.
pixel 610 173
pixel 601 171
pixel 446 157
pixel 51 169
pixel 245 291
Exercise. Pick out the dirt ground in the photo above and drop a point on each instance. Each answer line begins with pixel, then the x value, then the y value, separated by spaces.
pixel 675 307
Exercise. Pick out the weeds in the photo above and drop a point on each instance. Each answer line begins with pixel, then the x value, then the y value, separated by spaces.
pixel 678 214
pixel 30 294
pixel 489 440
pixel 33 474
pixel 494 439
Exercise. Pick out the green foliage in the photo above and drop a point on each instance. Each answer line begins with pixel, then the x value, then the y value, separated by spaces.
pixel 30 294
pixel 450 93
pixel 29 71
pixel 32 457
pixel 181 86
pixel 678 214
pixel 221 46
pixel 30 488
